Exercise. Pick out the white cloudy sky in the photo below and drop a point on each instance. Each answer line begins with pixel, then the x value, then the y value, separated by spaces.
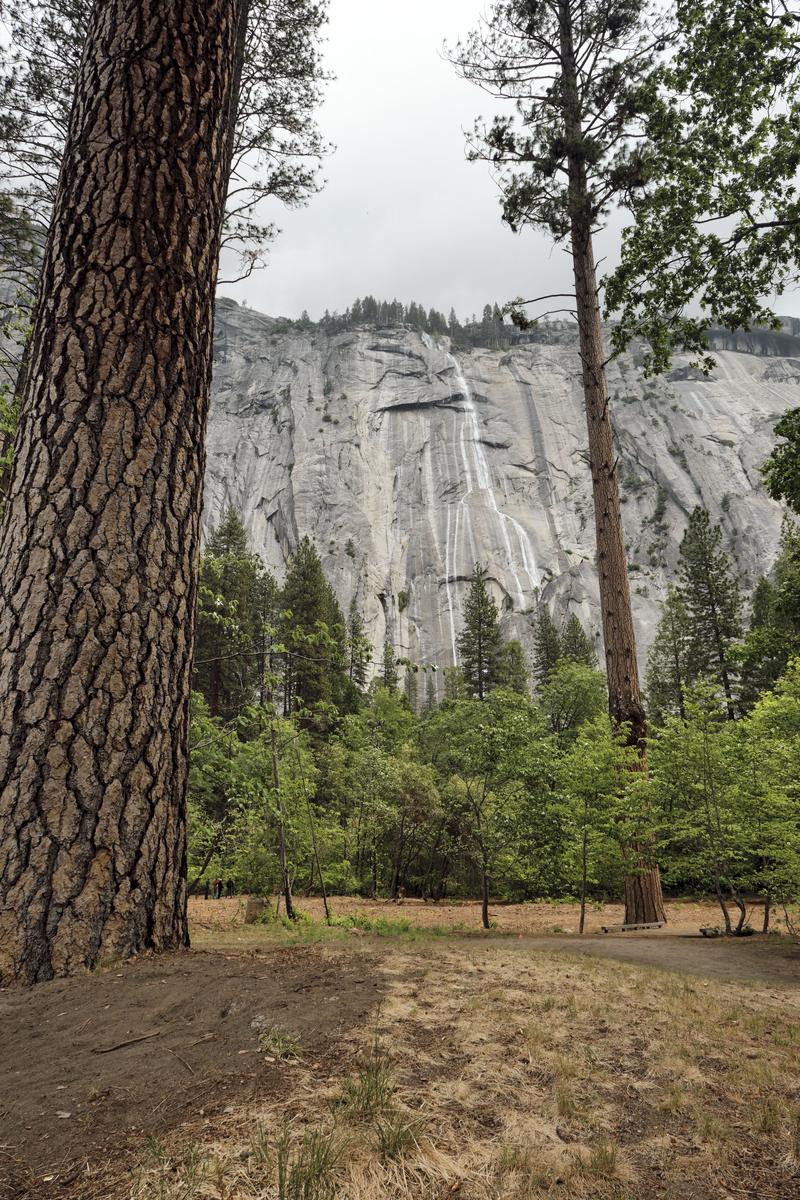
pixel 403 213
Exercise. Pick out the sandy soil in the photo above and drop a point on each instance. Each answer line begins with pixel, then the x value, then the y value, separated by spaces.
pixel 684 916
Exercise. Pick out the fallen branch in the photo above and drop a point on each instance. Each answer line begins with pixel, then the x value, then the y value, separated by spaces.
pixel 130 1042
pixel 181 1060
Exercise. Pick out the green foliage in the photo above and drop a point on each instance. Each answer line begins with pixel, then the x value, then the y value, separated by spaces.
pixel 314 644
pixel 480 644
pixel 359 648
pixel 670 665
pixel 782 468
pixel 279 1043
pixel 275 131
pixel 552 646
pixel 236 607
pixel 512 668
pixel 774 634
pixel 390 674
pixel 382 926
pixel 547 644
pixel 371 1092
pixel 727 794
pixel 491 331
pixel 576 645
pixel 305 1172
pixel 396 1132
pixel 716 212
pixel 519 52
pixel 573 695
pixel 710 592
pixel 507 796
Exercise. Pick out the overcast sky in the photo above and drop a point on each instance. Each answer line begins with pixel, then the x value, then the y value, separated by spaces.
pixel 403 213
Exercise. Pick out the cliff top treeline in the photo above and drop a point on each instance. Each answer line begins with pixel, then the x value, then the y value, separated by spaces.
pixel 489 331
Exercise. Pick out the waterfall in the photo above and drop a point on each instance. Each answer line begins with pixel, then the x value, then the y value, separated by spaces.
pixel 477 478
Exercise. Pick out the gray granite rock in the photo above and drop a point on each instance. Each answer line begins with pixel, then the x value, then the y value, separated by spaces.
pixel 406 464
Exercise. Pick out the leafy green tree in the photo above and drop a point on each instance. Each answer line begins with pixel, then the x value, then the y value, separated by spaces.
pixel 479 749
pixel 710 592
pixel 411 687
pixel 235 811
pixel 716 209
pixel 572 695
pixel 590 775
pixel 768 789
pixel 480 642
pixel 727 795
pixel 670 663
pixel 431 701
pixel 454 686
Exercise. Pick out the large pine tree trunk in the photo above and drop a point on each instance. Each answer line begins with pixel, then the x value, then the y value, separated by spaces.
pixel 643 898
pixel 99 541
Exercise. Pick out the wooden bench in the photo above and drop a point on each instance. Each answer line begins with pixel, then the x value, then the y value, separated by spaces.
pixel 630 928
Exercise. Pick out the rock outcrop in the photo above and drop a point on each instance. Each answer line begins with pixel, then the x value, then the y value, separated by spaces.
pixel 406 464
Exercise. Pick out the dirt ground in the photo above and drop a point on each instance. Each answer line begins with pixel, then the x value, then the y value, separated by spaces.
pixel 495 1067
pixel 69 1098
pixel 684 916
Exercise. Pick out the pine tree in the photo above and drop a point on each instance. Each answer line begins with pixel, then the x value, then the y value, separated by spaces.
pixel 513 668
pixel 390 675
pixel 281 78
pixel 233 585
pixel 480 643
pixel 566 154
pixel 411 687
pixel 98 567
pixel 546 644
pixel 313 634
pixel 430 693
pixel 670 667
pixel 359 648
pixel 711 594
pixel 576 645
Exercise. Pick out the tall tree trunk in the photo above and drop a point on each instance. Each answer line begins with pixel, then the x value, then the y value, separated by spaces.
pixel 643 898
pixel 99 542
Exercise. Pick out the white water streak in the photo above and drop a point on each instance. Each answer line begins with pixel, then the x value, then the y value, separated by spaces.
pixel 471 448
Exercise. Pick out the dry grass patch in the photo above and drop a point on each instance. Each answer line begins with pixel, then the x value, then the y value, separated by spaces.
pixel 495 1073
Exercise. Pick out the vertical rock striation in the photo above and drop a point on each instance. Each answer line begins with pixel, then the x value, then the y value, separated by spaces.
pixel 407 463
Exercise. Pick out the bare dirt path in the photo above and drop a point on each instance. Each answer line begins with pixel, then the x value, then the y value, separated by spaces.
pixel 758 959
pixel 73 1092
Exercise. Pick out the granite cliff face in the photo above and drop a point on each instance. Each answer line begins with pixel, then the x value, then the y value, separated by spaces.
pixel 406 464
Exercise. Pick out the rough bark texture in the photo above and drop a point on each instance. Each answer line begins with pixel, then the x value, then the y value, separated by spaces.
pixel 643 888
pixel 643 899
pixel 99 541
